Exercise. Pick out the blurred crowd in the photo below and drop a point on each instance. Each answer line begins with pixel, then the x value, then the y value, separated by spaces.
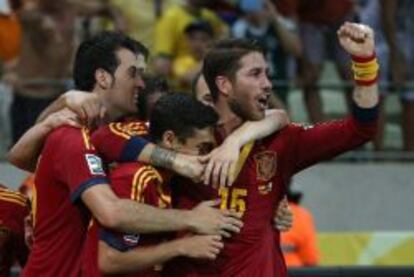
pixel 38 38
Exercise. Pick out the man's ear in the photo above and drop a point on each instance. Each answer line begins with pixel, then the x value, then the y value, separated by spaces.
pixel 224 85
pixel 169 139
pixel 103 78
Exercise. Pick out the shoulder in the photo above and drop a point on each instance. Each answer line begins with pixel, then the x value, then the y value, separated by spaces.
pixel 70 136
pixel 136 172
pixel 122 129
pixel 12 198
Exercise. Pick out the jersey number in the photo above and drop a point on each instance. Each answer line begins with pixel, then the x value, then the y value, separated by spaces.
pixel 235 197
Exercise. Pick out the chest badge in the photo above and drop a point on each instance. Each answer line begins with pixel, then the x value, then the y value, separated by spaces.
pixel 266 165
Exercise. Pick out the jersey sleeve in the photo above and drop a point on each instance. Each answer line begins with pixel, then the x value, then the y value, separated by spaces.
pixel 76 162
pixel 121 142
pixel 139 183
pixel 326 140
pixel 14 207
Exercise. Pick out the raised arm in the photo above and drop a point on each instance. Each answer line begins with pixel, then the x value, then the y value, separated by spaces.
pixel 223 159
pixel 326 140
pixel 112 261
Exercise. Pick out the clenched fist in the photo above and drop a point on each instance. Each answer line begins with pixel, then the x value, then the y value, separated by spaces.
pixel 357 39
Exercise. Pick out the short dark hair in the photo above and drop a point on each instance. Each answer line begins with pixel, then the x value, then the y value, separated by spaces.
pixel 153 85
pixel 182 114
pixel 224 59
pixel 100 52
pixel 199 26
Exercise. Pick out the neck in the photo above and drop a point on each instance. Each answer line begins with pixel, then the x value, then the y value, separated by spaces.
pixel 111 114
pixel 228 121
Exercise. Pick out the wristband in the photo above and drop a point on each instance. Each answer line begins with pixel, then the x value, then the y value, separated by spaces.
pixel 365 70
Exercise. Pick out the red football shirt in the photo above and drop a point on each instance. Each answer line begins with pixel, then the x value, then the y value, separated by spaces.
pixel 259 187
pixel 67 167
pixel 13 210
pixel 116 141
pixel 142 183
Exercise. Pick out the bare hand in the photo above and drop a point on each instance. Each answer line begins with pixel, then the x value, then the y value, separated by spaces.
pixel 86 105
pixel 190 166
pixel 208 220
pixel 283 216
pixel 357 39
pixel 200 247
pixel 60 118
pixel 221 165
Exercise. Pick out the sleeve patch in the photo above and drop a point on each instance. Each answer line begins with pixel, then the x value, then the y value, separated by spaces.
pixel 94 164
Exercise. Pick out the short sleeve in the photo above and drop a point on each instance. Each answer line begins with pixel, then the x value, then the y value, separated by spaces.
pixel 120 141
pixel 76 161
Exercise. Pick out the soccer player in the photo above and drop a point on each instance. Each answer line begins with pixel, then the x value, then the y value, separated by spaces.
pixel 236 72
pixel 177 122
pixel 71 184
pixel 13 210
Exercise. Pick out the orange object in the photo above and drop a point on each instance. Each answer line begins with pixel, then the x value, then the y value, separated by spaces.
pixel 299 243
pixel 10 37
pixel 27 185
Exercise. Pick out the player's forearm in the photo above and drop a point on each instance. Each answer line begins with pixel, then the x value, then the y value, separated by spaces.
pixel 133 217
pixel 57 105
pixel 25 153
pixel 112 261
pixel 366 96
pixel 251 130
pixel 158 156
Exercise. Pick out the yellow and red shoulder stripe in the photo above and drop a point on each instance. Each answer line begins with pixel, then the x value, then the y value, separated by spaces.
pixel 129 129
pixel 144 176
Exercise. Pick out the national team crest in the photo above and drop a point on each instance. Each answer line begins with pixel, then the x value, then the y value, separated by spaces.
pixel 266 164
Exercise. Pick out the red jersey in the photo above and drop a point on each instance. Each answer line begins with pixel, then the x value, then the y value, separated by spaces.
pixel 13 210
pixel 141 183
pixel 116 141
pixel 68 166
pixel 258 189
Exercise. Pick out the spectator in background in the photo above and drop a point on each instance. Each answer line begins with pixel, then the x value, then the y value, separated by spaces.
pixel 319 22
pixel 263 23
pixel 43 68
pixel 170 42
pixel 10 32
pixel 13 210
pixel 141 16
pixel 369 13
pixel 199 36
pixel 10 39
pixel 398 23
pixel 299 245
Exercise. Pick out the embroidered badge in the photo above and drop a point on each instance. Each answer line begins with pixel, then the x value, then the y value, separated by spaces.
pixel 266 164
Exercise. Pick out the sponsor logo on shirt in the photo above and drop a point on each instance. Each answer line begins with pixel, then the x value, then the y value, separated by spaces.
pixel 94 164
